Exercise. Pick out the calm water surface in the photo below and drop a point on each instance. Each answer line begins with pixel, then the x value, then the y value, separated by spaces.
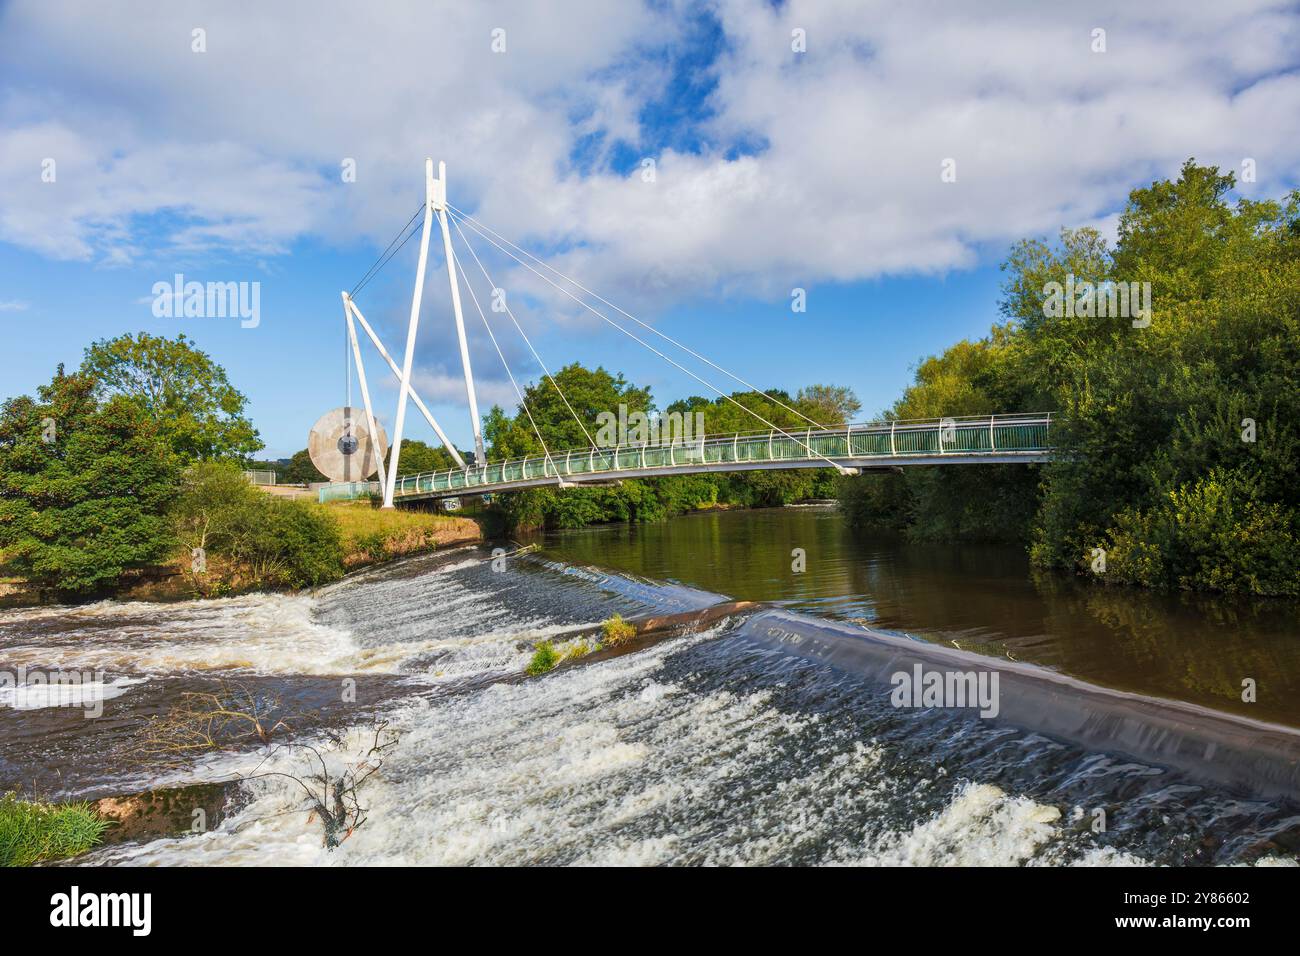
pixel 984 598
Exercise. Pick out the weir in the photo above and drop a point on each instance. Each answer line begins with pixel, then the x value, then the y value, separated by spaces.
pixel 1226 749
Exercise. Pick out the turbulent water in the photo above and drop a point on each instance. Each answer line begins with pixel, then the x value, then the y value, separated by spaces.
pixel 705 748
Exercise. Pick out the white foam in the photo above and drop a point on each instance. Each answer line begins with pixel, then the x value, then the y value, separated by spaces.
pixel 981 826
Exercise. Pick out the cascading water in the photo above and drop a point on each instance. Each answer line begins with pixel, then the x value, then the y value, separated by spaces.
pixel 710 747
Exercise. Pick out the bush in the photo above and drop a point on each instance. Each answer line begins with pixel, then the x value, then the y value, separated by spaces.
pixel 35 832
pixel 270 541
pixel 1215 534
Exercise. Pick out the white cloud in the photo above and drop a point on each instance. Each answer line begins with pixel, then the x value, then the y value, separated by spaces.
pixel 436 387
pixel 239 148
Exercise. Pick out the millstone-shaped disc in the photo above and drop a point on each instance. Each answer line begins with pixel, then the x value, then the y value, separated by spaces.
pixel 341 448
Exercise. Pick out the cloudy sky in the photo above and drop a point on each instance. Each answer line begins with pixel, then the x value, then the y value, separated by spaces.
pixel 221 154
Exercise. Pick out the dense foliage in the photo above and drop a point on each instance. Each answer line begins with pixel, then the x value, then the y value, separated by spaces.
pixel 131 461
pixel 1179 439
pixel 267 541
pixel 419 457
pixel 181 388
pixel 544 419
pixel 83 487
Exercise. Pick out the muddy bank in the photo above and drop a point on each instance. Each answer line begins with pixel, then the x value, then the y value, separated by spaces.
pixel 166 812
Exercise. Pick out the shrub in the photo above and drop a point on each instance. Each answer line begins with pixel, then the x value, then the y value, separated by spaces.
pixel 35 832
pixel 275 543
pixel 374 545
pixel 1217 533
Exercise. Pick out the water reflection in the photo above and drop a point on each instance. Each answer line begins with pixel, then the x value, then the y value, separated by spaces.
pixel 986 598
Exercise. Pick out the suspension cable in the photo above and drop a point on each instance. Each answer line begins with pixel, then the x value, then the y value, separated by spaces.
pixel 527 340
pixel 642 342
pixel 522 401
pixel 481 228
pixel 385 256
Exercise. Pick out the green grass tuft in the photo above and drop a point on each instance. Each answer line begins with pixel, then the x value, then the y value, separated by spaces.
pixel 617 630
pixel 35 832
pixel 544 658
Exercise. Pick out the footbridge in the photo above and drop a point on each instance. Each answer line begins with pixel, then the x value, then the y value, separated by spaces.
pixel 793 440
pixel 988 439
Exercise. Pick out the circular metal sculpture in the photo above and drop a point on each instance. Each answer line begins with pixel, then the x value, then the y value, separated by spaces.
pixel 341 446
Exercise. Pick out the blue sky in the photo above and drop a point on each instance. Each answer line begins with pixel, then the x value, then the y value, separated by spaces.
pixel 774 169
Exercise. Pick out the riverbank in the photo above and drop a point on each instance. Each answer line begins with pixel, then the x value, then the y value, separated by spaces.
pixel 720 732
pixel 369 536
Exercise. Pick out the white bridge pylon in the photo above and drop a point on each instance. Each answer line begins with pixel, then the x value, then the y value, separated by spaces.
pixel 435 203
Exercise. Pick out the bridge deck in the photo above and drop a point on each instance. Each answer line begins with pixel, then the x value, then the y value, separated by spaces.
pixel 995 439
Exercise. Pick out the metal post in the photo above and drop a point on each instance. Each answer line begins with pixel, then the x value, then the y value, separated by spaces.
pixel 365 392
pixel 893 450
pixel 992 447
pixel 414 325
pixel 440 204
pixel 397 373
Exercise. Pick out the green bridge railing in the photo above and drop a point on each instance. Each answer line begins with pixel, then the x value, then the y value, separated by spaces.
pixel 935 438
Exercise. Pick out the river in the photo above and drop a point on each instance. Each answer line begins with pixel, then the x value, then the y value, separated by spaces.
pixel 717 746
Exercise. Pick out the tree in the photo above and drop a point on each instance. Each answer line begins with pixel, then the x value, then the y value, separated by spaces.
pixel 829 405
pixel 83 487
pixel 180 388
pixel 1177 433
pixel 588 392
pixel 301 470
pixel 591 393
pixel 418 457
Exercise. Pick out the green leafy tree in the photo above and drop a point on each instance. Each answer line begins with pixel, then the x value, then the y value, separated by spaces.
pixel 300 470
pixel 83 487
pixel 418 457
pixel 181 388
pixel 829 405
pixel 1178 439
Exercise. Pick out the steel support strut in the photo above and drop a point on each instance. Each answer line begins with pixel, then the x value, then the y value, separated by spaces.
pixel 440 206
pixel 405 389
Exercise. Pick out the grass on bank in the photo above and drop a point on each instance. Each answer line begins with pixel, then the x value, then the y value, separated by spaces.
pixel 376 534
pixel 36 832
